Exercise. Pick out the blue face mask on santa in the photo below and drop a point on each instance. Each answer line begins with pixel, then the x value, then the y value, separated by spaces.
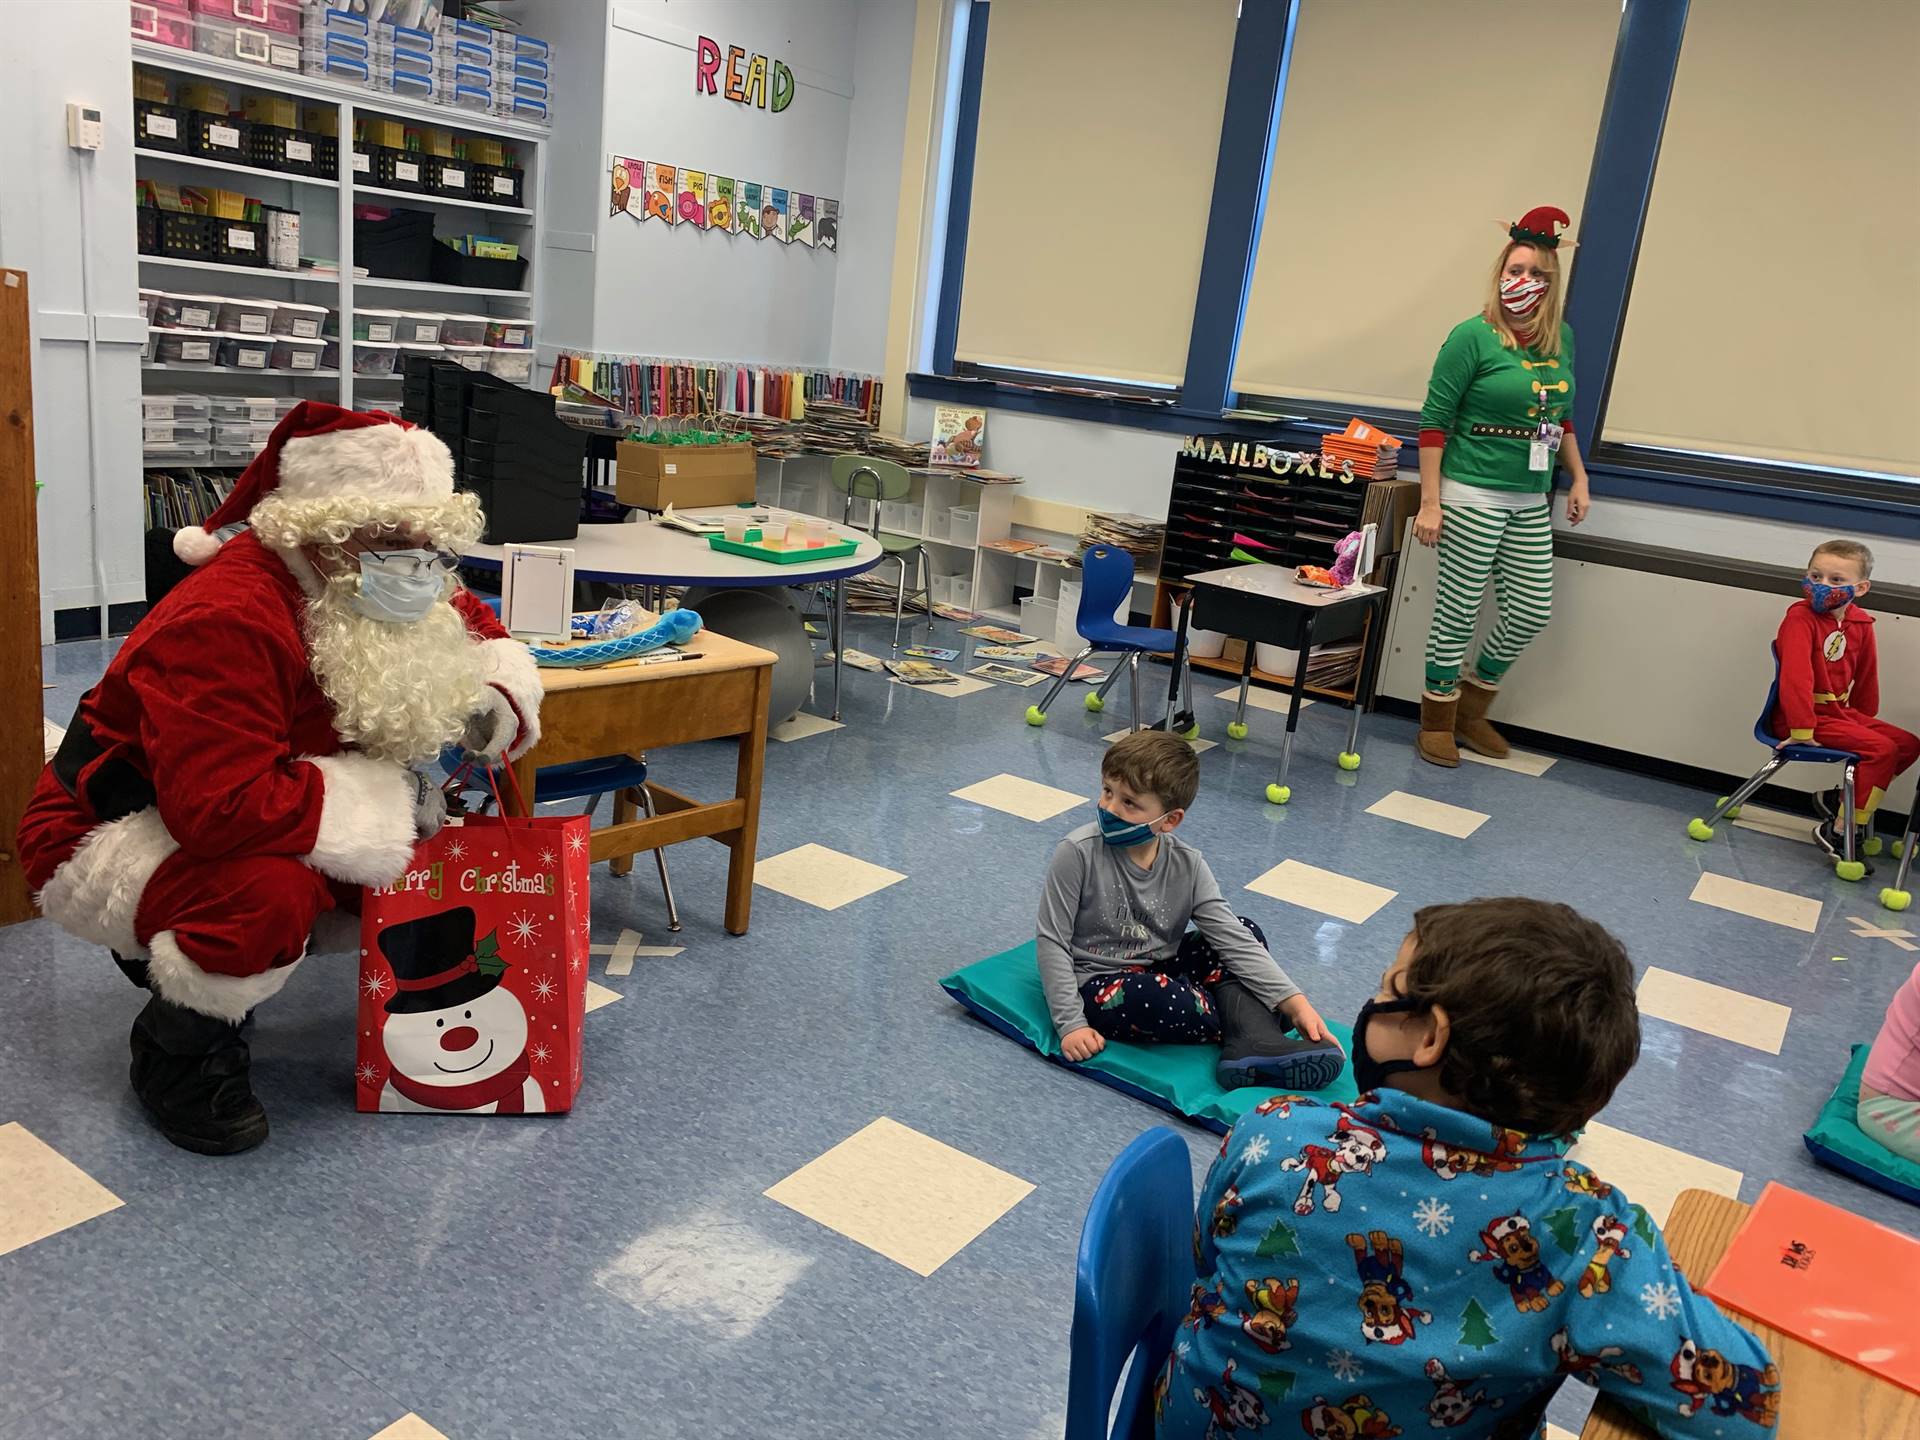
pixel 399 587
pixel 1116 831
pixel 1827 598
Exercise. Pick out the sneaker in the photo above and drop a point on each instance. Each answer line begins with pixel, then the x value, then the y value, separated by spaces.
pixel 1827 835
pixel 191 1073
pixel 1827 803
pixel 1258 1047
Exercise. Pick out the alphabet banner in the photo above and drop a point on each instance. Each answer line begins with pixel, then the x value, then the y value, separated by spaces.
pixel 681 195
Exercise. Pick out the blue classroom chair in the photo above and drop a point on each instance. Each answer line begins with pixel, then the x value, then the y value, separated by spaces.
pixel 1849 866
pixel 1134 1277
pixel 1106 578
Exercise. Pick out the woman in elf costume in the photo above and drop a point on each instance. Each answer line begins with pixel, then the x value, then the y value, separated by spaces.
pixel 1496 425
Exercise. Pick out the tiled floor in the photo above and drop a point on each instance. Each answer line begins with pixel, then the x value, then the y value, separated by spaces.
pixel 802 1192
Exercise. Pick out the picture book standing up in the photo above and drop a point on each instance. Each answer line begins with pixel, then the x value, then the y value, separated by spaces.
pixel 957 435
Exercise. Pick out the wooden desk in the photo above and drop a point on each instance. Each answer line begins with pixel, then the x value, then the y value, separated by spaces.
pixel 633 709
pixel 1819 1395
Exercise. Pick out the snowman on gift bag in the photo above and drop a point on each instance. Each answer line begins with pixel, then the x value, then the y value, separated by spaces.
pixel 455 1039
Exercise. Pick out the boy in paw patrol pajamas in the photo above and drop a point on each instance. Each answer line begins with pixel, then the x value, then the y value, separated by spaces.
pixel 1425 1258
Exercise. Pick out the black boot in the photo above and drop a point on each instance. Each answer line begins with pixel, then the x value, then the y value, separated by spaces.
pixel 190 1071
pixel 134 970
pixel 1258 1047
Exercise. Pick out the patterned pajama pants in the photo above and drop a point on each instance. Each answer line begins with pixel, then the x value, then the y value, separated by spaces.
pixel 1171 1002
pixel 1514 549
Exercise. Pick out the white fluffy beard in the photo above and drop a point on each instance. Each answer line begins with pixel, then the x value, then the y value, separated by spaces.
pixel 399 692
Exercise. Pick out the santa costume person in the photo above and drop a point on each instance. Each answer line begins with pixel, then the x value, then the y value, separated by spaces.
pixel 256 750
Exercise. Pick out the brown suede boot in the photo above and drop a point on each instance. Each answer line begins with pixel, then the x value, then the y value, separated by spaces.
pixel 1435 741
pixel 1470 724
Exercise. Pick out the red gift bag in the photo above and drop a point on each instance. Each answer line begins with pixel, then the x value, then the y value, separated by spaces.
pixel 473 971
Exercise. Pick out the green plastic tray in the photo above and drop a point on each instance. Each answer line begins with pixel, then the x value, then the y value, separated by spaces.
pixel 750 547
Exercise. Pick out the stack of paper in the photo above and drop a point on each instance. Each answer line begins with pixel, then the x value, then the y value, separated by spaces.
pixel 1135 534
pixel 1370 451
pixel 1333 667
pixel 910 453
pixel 831 428
pixel 773 437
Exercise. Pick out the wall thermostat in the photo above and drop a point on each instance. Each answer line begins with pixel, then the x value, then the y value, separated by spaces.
pixel 84 130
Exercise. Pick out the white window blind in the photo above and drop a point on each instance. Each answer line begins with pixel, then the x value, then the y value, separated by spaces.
pixel 1776 303
pixel 1407 130
pixel 1092 182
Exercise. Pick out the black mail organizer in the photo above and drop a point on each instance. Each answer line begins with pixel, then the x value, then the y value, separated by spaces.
pixel 1225 485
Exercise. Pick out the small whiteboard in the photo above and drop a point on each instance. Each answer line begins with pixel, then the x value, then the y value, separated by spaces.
pixel 536 592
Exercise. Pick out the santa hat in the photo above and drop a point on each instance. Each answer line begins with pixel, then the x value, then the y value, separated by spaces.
pixel 1536 227
pixel 322 462
pixel 1682 1367
pixel 1347 1125
pixel 1506 1225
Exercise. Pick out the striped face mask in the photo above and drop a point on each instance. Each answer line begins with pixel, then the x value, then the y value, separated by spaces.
pixel 1521 294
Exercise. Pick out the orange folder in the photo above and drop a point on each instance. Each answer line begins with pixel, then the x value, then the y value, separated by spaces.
pixel 1826 1276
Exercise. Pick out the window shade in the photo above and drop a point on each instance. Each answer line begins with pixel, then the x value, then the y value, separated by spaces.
pixel 1776 303
pixel 1407 130
pixel 1092 182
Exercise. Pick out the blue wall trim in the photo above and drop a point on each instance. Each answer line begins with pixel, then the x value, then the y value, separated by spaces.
pixel 1614 213
pixel 1256 83
pixel 966 136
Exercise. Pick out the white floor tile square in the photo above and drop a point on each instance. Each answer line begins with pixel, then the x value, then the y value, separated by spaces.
pixel 410 1427
pixel 1428 814
pixel 1652 1174
pixel 802 726
pixel 599 995
pixel 954 689
pixel 1260 698
pixel 1312 888
pixel 1777 823
pixel 1520 762
pixel 1714 1009
pixel 42 1192
pixel 1012 795
pixel 902 1194
pixel 823 877
pixel 1759 902
pixel 1200 747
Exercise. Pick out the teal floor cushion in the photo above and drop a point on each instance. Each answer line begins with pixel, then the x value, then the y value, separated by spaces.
pixel 1837 1140
pixel 1004 990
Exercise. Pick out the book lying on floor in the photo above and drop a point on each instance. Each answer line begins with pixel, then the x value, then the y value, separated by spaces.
pixel 999 635
pixel 1003 652
pixel 860 660
pixel 1057 664
pixel 930 652
pixel 954 612
pixel 1008 674
pixel 920 672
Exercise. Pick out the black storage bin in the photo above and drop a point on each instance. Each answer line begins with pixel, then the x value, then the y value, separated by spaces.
pixel 326 156
pixel 219 137
pixel 497 184
pixel 184 236
pixel 147 218
pixel 398 169
pixel 446 177
pixel 296 152
pixel 238 242
pixel 525 503
pixel 159 127
pixel 520 453
pixel 450 267
pixel 398 248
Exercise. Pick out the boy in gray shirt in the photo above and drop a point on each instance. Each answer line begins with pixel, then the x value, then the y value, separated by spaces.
pixel 1118 961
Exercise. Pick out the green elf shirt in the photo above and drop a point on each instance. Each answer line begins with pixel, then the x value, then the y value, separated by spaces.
pixel 1484 402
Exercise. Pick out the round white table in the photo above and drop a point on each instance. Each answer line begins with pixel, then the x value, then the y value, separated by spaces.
pixel 647 553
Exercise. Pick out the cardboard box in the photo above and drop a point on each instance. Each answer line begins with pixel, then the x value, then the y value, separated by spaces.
pixel 684 476
pixel 1390 504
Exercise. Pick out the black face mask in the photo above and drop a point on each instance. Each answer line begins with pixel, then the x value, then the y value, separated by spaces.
pixel 1369 1073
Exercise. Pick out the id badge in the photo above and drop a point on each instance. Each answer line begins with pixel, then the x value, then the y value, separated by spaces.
pixel 1550 435
pixel 1539 455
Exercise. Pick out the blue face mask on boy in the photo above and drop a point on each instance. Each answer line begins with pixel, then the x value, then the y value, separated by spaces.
pixel 1116 831
pixel 1825 599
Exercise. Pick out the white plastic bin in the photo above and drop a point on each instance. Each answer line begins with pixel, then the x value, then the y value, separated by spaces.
pixel 463 330
pixel 150 304
pixel 940 589
pixel 1201 644
pixel 1067 630
pixel 174 434
pixel 419 328
pixel 510 363
pixel 246 317
pixel 960 591
pixel 174 407
pixel 1039 617
pixel 185 312
pixel 245 352
pixel 1276 660
pixel 292 354
pixel 963 525
pixel 193 349
pixel 302 322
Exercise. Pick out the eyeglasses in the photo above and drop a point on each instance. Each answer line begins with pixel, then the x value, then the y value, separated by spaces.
pixel 415 563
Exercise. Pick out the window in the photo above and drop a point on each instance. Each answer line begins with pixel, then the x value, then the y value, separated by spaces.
pixel 1775 310
pixel 1092 181
pixel 1407 130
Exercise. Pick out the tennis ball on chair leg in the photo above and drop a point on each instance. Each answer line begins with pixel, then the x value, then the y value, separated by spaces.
pixel 1236 730
pixel 1698 829
pixel 1852 870
pixel 1279 794
pixel 1896 899
pixel 1095 703
pixel 1349 760
pixel 1035 715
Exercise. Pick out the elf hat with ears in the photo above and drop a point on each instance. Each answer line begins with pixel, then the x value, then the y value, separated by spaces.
pixel 322 465
pixel 1541 226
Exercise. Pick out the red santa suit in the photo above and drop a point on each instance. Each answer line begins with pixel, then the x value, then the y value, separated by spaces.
pixel 1830 695
pixel 203 812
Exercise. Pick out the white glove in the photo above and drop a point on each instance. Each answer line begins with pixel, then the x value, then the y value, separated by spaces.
pixel 490 730
pixel 429 807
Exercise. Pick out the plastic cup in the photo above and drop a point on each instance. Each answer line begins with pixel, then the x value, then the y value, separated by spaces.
pixel 735 528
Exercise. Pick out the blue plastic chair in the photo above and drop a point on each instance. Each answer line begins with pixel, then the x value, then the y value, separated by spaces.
pixel 1132 1285
pixel 622 776
pixel 1107 579
pixel 1848 867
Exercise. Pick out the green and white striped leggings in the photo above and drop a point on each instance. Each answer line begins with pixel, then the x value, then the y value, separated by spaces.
pixel 1513 548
